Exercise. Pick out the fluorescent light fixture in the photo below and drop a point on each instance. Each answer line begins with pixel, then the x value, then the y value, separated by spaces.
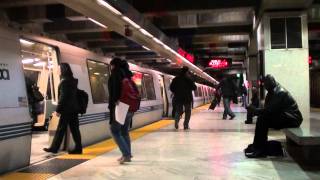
pixel 108 6
pixel 26 42
pixel 146 48
pixel 96 22
pixel 96 73
pixel 39 64
pixel 27 61
pixel 158 41
pixel 146 33
pixel 131 22
pixel 106 75
pixel 90 68
pixel 166 47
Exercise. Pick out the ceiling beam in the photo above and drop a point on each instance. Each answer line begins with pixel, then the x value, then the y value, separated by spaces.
pixel 94 36
pixel 112 44
pixel 19 3
pixel 64 27
pixel 124 50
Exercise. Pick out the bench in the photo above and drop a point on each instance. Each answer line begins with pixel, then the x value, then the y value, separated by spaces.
pixel 303 144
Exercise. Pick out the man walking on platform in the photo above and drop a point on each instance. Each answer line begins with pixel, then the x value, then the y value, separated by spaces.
pixel 182 87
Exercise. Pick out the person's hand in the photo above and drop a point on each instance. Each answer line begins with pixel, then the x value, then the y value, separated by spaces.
pixel 58 114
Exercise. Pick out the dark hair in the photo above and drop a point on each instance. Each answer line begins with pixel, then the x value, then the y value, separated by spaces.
pixel 184 70
pixel 66 70
pixel 126 69
pixel 116 62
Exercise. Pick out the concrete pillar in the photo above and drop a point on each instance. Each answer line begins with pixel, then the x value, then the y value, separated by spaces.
pixel 288 65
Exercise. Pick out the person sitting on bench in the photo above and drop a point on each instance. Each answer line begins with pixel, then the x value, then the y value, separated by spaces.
pixel 280 111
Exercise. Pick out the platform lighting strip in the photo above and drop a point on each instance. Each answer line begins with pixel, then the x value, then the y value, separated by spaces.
pixel 98 23
pixel 146 33
pixel 146 48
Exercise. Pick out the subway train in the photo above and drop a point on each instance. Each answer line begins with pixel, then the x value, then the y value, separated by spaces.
pixel 29 65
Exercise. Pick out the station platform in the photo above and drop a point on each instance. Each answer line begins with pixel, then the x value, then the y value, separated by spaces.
pixel 211 149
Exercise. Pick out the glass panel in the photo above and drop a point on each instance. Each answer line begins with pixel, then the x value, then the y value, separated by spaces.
pixel 149 86
pixel 277 28
pixel 98 75
pixel 137 78
pixel 294 34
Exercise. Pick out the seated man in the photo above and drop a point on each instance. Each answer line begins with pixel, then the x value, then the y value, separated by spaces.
pixel 280 111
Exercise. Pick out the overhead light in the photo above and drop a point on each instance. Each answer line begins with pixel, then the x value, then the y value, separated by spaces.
pixel 146 48
pixel 96 73
pixel 146 33
pixel 96 22
pixel 106 75
pixel 90 68
pixel 27 61
pixel 37 59
pixel 26 42
pixel 131 22
pixel 39 64
pixel 107 5
pixel 50 66
pixel 166 47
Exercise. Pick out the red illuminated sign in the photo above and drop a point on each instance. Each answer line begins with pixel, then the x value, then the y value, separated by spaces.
pixel 186 55
pixel 218 63
pixel 310 60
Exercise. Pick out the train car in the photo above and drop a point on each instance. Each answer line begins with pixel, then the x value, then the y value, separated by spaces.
pixel 30 66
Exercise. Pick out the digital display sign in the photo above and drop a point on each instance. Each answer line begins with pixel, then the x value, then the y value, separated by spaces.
pixel 219 63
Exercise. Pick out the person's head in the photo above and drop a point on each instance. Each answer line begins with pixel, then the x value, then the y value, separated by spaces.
pixel 126 68
pixel 115 63
pixel 269 82
pixel 65 70
pixel 184 70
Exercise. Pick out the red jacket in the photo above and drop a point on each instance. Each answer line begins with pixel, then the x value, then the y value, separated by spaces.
pixel 130 94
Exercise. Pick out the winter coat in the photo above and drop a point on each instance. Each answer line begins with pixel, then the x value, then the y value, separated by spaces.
pixel 67 92
pixel 228 88
pixel 182 88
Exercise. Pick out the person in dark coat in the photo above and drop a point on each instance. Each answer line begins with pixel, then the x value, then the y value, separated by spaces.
pixel 254 103
pixel 280 111
pixel 114 85
pixel 244 93
pixel 67 110
pixel 229 91
pixel 182 87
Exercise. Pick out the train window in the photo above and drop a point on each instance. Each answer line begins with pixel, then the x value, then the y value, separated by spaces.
pixel 98 76
pixel 149 86
pixel 137 78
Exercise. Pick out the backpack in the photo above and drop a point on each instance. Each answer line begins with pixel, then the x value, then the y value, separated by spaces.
pixel 83 99
pixel 130 95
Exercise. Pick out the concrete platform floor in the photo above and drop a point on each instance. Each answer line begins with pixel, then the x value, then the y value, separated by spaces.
pixel 212 149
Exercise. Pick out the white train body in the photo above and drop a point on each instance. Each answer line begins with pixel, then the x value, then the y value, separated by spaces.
pixel 15 120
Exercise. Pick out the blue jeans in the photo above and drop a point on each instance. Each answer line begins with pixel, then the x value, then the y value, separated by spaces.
pixel 121 136
pixel 227 109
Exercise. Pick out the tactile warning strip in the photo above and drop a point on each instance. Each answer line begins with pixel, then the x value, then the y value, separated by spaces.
pixel 53 166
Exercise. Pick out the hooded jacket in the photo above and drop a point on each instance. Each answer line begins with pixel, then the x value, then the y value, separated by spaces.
pixel 182 88
pixel 67 92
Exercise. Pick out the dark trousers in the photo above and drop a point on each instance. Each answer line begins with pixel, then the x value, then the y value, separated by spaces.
pixel 227 108
pixel 73 122
pixel 250 115
pixel 179 112
pixel 266 122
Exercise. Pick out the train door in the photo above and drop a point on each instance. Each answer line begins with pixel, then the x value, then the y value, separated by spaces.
pixel 164 96
pixel 40 66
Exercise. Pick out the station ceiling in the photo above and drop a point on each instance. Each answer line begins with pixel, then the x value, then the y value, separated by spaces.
pixel 205 28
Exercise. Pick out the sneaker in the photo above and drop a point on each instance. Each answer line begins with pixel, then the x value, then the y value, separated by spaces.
pixel 124 159
pixel 50 150
pixel 119 159
pixel 186 128
pixel 232 117
pixel 224 118
pixel 256 154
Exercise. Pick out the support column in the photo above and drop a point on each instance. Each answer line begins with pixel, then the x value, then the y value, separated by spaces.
pixel 286 52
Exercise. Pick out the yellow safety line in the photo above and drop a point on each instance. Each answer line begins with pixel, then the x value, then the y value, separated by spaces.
pixel 95 150
pixel 26 176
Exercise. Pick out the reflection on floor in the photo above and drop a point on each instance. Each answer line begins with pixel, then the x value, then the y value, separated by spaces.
pixel 212 149
pixel 39 141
